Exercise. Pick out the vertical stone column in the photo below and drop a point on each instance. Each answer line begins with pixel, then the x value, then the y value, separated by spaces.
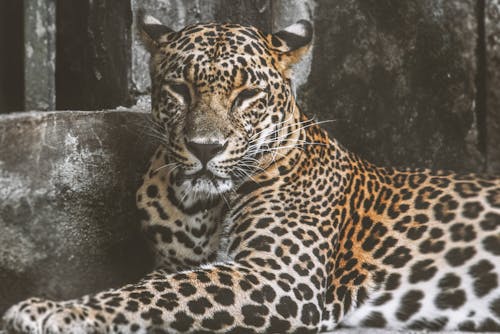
pixel 492 38
pixel 39 57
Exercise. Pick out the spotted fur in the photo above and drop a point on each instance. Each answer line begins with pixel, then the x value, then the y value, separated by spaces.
pixel 261 223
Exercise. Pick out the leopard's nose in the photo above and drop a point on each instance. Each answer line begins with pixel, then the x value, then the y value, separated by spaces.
pixel 205 151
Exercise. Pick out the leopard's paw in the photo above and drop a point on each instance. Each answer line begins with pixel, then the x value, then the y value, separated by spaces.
pixel 28 316
pixel 71 320
pixel 36 316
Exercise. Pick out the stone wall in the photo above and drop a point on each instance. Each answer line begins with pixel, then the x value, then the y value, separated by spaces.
pixel 405 83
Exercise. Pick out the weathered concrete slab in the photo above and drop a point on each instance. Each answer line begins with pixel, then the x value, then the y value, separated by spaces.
pixel 397 78
pixel 67 202
pixel 492 38
pixel 40 53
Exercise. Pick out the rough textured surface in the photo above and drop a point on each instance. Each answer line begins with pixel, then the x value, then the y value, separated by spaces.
pixel 39 54
pixel 397 78
pixel 68 220
pixel 258 13
pixel 492 33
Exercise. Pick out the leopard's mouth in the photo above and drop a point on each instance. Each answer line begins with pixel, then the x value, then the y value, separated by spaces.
pixel 204 175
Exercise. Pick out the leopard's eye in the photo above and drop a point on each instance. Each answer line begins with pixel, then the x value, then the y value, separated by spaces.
pixel 180 91
pixel 245 97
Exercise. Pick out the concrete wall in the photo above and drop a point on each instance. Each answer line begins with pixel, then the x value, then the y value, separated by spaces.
pixel 93 54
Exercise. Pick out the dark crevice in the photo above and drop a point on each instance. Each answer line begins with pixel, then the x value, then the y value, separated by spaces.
pixel 481 83
pixel 71 56
pixel 12 56
pixel 93 54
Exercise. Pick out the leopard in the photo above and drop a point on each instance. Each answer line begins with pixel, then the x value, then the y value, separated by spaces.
pixel 261 222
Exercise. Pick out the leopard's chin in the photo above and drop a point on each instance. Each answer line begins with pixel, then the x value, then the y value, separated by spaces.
pixel 207 185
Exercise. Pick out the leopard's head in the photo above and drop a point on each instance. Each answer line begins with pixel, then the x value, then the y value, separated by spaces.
pixel 221 97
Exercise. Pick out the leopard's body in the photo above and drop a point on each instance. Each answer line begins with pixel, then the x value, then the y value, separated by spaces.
pixel 262 223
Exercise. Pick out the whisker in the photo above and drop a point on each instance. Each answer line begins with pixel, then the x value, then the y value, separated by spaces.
pixel 165 166
pixel 277 124
pixel 187 191
pixel 298 129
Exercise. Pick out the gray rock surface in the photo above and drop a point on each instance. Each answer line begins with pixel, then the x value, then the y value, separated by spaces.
pixel 68 222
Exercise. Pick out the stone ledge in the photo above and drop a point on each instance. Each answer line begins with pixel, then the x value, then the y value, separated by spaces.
pixel 68 222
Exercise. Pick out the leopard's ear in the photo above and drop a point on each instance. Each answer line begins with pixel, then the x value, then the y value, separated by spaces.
pixel 291 43
pixel 152 31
